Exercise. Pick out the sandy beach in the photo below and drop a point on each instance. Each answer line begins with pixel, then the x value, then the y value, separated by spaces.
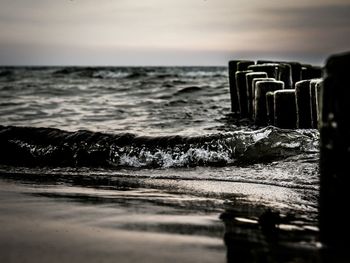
pixel 144 220
pixel 39 228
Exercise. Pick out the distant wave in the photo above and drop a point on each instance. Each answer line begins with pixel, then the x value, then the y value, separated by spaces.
pixel 139 72
pixel 189 89
pixel 30 146
pixel 92 72
pixel 6 73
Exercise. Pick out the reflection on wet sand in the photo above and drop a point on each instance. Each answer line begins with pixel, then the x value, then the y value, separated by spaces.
pixel 269 238
pixel 55 223
pixel 139 219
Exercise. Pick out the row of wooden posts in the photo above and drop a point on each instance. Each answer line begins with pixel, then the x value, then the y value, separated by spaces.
pixel 292 95
pixel 283 94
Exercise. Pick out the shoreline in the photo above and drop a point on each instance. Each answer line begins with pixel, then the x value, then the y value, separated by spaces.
pixel 151 220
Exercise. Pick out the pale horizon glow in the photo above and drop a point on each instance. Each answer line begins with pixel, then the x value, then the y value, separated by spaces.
pixel 168 32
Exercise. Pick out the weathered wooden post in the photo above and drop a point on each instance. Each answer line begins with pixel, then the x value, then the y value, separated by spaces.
pixel 249 79
pixel 244 64
pixel 270 69
pixel 296 72
pixel 270 108
pixel 253 91
pixel 313 102
pixel 285 75
pixel 232 69
pixel 335 159
pixel 302 96
pixel 310 72
pixel 241 84
pixel 285 109
pixel 318 88
pixel 262 87
pixel 262 61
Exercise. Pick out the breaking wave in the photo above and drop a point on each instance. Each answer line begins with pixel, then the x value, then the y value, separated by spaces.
pixel 30 146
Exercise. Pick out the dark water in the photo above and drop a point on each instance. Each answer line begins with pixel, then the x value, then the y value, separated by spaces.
pixel 169 129
pixel 145 101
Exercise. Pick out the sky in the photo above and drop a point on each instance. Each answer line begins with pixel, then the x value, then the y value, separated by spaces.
pixel 170 32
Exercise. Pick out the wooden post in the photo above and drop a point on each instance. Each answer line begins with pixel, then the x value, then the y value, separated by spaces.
pixel 335 159
pixel 253 91
pixel 310 72
pixel 318 88
pixel 241 84
pixel 270 108
pixel 244 64
pixel 270 69
pixel 285 75
pixel 313 102
pixel 232 68
pixel 296 72
pixel 285 109
pixel 302 96
pixel 249 79
pixel 262 87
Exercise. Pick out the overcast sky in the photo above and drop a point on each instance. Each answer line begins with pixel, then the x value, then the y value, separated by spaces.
pixel 170 32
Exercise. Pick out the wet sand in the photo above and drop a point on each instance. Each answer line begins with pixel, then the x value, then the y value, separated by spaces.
pixel 89 218
pixel 39 228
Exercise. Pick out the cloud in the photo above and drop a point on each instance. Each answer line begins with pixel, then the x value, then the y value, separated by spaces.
pixel 301 29
pixel 80 30
pixel 326 17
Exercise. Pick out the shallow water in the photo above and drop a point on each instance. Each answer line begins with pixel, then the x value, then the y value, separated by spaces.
pixel 157 153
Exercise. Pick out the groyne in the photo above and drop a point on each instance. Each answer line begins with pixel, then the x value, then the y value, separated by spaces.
pixel 279 93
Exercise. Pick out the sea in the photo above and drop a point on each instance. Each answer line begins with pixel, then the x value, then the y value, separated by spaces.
pixel 152 160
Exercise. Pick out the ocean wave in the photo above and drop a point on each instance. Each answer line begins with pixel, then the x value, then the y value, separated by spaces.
pixel 107 74
pixel 94 72
pixel 6 73
pixel 113 73
pixel 140 72
pixel 30 146
pixel 67 70
pixel 204 74
pixel 190 89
